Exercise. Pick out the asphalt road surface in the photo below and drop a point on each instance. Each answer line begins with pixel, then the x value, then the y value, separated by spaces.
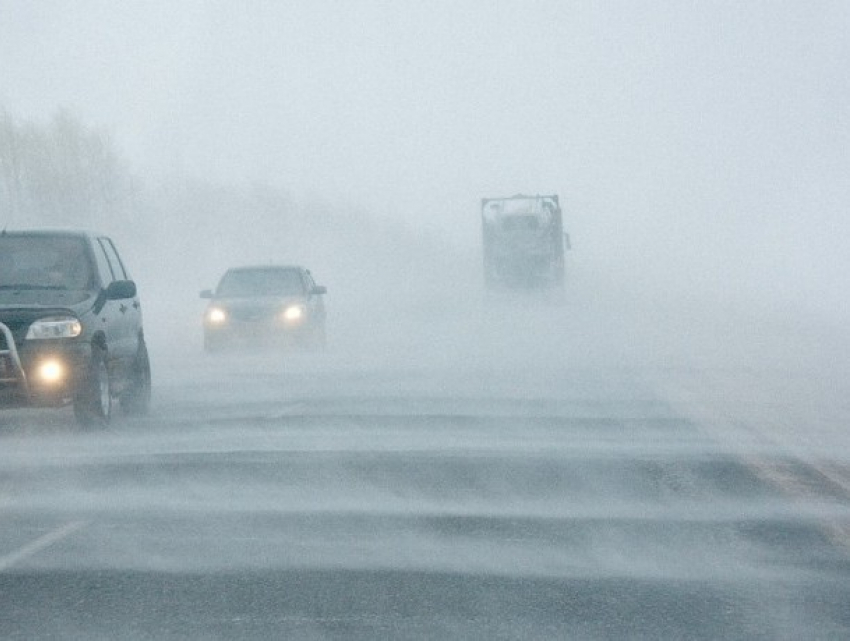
pixel 315 497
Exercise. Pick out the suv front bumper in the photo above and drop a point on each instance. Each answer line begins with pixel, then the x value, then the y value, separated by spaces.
pixel 43 372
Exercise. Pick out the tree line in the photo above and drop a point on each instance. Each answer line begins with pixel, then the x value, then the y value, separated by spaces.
pixel 65 173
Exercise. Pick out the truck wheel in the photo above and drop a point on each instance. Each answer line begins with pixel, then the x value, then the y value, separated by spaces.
pixel 136 400
pixel 93 402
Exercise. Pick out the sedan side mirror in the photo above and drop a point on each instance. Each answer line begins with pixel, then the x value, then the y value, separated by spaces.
pixel 319 289
pixel 206 293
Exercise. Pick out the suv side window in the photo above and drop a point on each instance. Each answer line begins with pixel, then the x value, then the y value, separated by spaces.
pixel 103 267
pixel 115 265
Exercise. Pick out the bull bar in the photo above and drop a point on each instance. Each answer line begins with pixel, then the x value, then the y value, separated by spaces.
pixel 9 353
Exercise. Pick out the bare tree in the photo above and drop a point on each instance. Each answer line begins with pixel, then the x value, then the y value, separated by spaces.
pixel 62 173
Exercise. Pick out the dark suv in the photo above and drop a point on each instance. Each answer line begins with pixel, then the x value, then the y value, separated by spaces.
pixel 276 305
pixel 70 326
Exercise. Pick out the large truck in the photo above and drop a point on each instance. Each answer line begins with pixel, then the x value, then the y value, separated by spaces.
pixel 524 242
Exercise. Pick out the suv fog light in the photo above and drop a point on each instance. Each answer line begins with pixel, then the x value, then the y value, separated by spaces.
pixel 51 371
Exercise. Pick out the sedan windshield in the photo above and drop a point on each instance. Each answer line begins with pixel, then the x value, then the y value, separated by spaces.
pixel 44 262
pixel 260 282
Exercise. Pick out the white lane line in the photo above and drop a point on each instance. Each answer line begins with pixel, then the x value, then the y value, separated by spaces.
pixel 42 542
pixel 761 420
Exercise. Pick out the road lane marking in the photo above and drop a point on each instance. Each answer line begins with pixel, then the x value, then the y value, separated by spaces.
pixel 727 418
pixel 42 542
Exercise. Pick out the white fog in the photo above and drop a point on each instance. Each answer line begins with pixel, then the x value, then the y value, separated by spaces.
pixel 659 450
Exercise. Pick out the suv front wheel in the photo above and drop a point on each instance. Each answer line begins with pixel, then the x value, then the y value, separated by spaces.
pixel 136 400
pixel 93 402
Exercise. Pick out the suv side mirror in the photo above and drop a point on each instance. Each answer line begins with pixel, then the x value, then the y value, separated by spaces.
pixel 119 289
pixel 319 289
pixel 206 293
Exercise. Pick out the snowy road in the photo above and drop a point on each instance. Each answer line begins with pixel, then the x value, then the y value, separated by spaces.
pixel 316 500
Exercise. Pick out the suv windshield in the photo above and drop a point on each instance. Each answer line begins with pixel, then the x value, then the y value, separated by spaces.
pixel 44 262
pixel 260 282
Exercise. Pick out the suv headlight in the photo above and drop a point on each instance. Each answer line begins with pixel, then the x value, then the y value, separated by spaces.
pixel 55 327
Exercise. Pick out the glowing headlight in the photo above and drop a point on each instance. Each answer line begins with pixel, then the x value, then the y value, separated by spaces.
pixel 55 327
pixel 51 371
pixel 216 316
pixel 293 313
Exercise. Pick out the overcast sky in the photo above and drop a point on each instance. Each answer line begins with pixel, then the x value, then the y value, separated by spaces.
pixel 671 129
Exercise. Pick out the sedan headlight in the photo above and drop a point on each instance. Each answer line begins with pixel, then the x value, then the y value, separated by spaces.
pixel 55 327
pixel 216 316
pixel 293 314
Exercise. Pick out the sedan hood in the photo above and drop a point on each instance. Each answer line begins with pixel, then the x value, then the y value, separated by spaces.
pixel 258 302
